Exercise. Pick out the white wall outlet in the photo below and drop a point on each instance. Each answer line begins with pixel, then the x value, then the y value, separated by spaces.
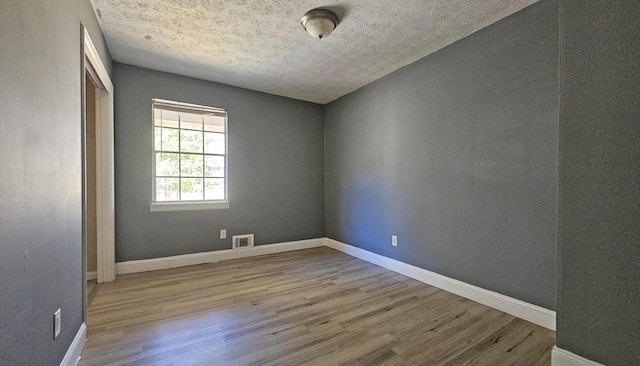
pixel 223 233
pixel 394 240
pixel 57 320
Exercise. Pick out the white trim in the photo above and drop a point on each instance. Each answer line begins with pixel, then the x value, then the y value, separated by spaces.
pixel 515 307
pixel 92 275
pixel 72 356
pixel 91 53
pixel 105 207
pixel 187 206
pixel 215 256
pixel 562 357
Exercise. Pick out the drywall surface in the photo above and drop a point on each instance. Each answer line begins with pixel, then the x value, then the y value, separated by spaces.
pixel 599 238
pixel 456 154
pixel 276 172
pixel 40 184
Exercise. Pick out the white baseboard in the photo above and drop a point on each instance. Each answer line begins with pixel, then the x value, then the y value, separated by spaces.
pixel 212 257
pixel 92 275
pixel 562 357
pixel 529 312
pixel 72 356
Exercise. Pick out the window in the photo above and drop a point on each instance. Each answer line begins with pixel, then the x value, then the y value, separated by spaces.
pixel 189 157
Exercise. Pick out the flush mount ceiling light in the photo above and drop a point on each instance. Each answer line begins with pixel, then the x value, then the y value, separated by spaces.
pixel 319 23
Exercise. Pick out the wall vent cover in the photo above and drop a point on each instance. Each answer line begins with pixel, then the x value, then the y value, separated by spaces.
pixel 242 241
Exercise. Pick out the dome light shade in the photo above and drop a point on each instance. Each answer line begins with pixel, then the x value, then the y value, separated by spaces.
pixel 319 23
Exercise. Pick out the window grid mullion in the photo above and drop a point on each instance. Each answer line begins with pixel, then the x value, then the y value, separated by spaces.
pixel 155 154
pixel 179 159
pixel 204 164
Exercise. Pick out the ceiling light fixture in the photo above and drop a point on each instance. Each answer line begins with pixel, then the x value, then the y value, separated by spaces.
pixel 319 23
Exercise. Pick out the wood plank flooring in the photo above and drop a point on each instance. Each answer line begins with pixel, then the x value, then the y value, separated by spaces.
pixel 92 290
pixel 308 307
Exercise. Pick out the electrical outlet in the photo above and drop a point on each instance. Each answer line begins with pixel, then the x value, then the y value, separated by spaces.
pixel 223 233
pixel 394 240
pixel 57 320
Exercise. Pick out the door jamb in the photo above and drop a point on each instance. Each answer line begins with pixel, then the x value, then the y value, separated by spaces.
pixel 105 197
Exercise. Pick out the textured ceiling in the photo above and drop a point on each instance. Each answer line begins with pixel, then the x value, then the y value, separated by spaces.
pixel 260 44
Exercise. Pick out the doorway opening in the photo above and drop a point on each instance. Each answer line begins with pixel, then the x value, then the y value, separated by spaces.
pixel 98 217
pixel 90 163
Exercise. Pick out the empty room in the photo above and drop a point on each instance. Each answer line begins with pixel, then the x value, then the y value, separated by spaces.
pixel 203 182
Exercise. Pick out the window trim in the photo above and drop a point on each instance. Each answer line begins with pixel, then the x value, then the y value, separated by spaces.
pixel 187 206
pixel 165 206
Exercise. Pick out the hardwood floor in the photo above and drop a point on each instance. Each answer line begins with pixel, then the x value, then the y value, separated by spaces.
pixel 92 290
pixel 315 307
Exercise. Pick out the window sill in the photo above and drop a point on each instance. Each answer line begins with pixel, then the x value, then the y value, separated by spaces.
pixel 187 206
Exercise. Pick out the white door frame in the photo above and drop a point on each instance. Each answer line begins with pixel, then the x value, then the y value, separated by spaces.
pixel 105 206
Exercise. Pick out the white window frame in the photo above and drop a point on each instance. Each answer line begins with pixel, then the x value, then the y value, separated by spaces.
pixel 163 206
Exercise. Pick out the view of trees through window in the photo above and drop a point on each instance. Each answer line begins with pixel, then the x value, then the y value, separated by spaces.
pixel 189 152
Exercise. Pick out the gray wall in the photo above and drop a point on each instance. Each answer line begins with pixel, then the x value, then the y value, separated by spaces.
pixel 40 188
pixel 599 237
pixel 89 20
pixel 276 173
pixel 457 155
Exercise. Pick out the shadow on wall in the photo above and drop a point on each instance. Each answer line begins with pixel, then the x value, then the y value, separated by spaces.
pixel 366 223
